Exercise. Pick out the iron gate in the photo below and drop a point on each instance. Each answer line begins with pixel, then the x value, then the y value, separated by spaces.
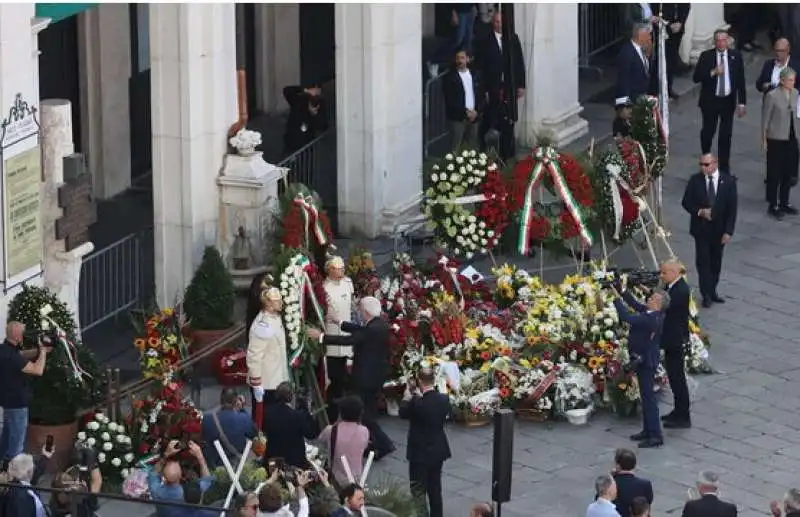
pixel 600 26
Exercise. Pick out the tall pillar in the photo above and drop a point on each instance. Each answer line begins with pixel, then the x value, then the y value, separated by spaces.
pixel 277 53
pixel 378 114
pixel 703 20
pixel 104 47
pixel 548 33
pixel 193 67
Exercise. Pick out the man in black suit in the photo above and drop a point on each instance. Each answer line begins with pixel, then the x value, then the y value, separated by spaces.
pixel 723 92
pixel 674 16
pixel 427 447
pixel 287 428
pixel 634 67
pixel 673 342
pixel 370 364
pixel 493 63
pixel 629 485
pixel 709 504
pixel 463 99
pixel 769 78
pixel 307 118
pixel 711 200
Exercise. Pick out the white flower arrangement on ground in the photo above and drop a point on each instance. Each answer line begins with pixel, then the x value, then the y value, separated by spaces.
pixel 113 445
pixel 291 285
pixel 697 358
pixel 245 140
pixel 574 388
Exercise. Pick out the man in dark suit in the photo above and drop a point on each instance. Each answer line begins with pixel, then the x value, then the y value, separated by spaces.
pixel 674 16
pixel 634 67
pixel 629 485
pixel 307 118
pixel 427 447
pixel 645 322
pixel 497 72
pixel 673 342
pixel 769 78
pixel 711 200
pixel 463 100
pixel 370 364
pixel 709 504
pixel 723 92
pixel 287 428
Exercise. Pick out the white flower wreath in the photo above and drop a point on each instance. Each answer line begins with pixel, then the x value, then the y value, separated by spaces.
pixel 447 199
pixel 291 284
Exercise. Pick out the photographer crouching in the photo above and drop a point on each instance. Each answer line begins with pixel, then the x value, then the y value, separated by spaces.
pixel 644 338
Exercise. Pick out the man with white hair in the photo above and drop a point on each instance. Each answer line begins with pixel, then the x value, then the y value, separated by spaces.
pixel 370 345
pixel 339 296
pixel 22 500
pixel 791 504
pixel 709 504
pixel 606 489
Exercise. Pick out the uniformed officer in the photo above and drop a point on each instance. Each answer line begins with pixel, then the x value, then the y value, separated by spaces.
pixel 339 294
pixel 267 361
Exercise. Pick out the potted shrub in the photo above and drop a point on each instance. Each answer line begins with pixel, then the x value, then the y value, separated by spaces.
pixel 57 396
pixel 208 301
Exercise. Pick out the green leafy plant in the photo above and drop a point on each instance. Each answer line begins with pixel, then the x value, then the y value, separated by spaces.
pixel 209 299
pixel 392 495
pixel 253 475
pixel 58 395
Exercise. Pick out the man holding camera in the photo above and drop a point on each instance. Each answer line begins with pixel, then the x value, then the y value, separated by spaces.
pixel 306 117
pixel 644 338
pixel 164 481
pixel 15 368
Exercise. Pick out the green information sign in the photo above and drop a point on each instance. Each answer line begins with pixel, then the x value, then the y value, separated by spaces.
pixel 60 11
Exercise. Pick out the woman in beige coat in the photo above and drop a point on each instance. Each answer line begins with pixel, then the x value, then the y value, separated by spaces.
pixel 779 126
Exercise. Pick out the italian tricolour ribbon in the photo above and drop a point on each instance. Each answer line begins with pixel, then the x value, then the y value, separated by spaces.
pixel 306 288
pixel 547 162
pixel 659 122
pixel 311 218
pixel 69 347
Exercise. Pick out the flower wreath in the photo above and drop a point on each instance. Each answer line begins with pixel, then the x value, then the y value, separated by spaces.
pixel 648 129
pixel 551 223
pixel 304 224
pixel 458 181
pixel 296 287
pixel 617 207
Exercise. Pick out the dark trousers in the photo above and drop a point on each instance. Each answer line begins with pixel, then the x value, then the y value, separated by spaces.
pixel 337 374
pixel 674 362
pixel 748 20
pixel 461 39
pixel 672 51
pixel 782 158
pixel 426 482
pixel 463 134
pixel 496 117
pixel 381 443
pixel 718 110
pixel 650 420
pixel 708 260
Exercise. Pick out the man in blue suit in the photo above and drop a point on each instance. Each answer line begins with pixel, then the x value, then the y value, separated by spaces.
pixel 634 67
pixel 644 339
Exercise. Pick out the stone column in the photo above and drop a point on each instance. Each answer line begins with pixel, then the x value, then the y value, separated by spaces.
pixel 378 114
pixel 104 47
pixel 277 53
pixel 703 20
pixel 193 63
pixel 548 33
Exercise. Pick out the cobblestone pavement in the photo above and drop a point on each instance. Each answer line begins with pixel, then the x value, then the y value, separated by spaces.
pixel 745 417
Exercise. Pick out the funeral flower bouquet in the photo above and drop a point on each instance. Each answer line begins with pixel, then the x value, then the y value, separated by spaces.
pixel 113 446
pixel 245 141
pixel 161 343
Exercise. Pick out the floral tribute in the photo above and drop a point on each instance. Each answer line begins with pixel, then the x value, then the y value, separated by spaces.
pixel 458 181
pixel 647 128
pixel 617 207
pixel 161 344
pixel 565 177
pixel 112 444
pixel 360 268
pixel 303 223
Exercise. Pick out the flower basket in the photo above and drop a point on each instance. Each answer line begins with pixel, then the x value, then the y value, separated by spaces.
pixel 579 416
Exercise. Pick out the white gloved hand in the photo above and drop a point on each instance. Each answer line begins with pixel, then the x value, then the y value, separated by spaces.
pixel 258 393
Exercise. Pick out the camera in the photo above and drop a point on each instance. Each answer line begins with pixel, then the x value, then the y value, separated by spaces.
pixel 85 459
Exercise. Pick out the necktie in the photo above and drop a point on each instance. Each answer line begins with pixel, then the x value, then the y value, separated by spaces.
pixel 712 193
pixel 721 77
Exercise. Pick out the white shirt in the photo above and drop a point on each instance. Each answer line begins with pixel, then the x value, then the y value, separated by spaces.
pixel 499 37
pixel 469 92
pixel 602 508
pixel 726 77
pixel 776 73
pixel 640 51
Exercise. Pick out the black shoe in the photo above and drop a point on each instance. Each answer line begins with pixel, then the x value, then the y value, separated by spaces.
pixel 706 302
pixel 639 436
pixel 668 416
pixel 775 213
pixel 651 443
pixel 789 210
pixel 677 424
pixel 717 298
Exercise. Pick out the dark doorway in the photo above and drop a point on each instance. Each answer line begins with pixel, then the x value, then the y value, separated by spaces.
pixel 58 69
pixel 317 43
pixel 250 56
pixel 139 92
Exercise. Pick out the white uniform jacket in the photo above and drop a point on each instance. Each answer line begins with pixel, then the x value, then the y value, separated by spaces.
pixel 267 360
pixel 339 295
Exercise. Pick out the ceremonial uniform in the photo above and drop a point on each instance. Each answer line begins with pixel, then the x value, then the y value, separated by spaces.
pixel 339 295
pixel 267 361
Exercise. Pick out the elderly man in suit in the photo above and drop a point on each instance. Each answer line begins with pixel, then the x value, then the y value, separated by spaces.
pixel 770 76
pixel 710 199
pixel 779 125
pixel 629 485
pixel 606 489
pixel 673 342
pixel 634 67
pixel 644 337
pixel 427 447
pixel 370 344
pixel 709 504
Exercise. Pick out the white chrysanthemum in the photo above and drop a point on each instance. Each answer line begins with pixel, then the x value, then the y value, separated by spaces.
pixel 91 442
pixel 81 436
pixel 107 446
pixel 116 462
pixel 101 457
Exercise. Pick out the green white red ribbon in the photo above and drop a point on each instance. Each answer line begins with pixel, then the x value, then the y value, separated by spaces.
pixel 659 123
pixel 547 162
pixel 311 218
pixel 70 350
pixel 306 288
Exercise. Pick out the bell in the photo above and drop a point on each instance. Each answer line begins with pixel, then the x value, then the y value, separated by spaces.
pixel 240 251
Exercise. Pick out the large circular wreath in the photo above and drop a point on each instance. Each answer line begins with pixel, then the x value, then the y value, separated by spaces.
pixel 459 182
pixel 647 128
pixel 552 223
pixel 617 210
